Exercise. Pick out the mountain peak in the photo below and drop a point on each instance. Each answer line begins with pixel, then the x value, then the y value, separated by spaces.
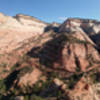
pixel 83 20
pixel 40 60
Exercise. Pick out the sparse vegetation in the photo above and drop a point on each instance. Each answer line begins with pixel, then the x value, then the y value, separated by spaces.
pixel 95 77
pixel 73 80
pixel 27 69
pixel 2 87
pixel 49 53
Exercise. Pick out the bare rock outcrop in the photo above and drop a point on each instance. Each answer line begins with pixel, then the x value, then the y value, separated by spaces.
pixel 14 30
pixel 89 27
pixel 49 60
pixel 30 78
pixel 71 54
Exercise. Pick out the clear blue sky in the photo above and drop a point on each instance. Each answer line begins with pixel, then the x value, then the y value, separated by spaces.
pixel 52 10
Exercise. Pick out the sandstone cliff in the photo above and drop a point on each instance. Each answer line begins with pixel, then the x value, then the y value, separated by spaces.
pixel 14 30
pixel 41 61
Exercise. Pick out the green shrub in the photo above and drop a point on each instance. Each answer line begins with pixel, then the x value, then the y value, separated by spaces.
pixel 2 86
pixel 26 97
pixel 95 77
pixel 34 97
pixel 73 80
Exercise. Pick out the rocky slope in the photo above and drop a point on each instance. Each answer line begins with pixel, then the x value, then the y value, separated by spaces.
pixel 40 61
pixel 18 29
pixel 90 27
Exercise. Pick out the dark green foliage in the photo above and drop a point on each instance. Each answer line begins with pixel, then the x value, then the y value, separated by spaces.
pixel 72 39
pixel 95 77
pixel 40 86
pixel 73 80
pixel 34 97
pixel 59 94
pixel 26 97
pixel 2 87
pixel 53 75
pixel 15 66
pixel 23 71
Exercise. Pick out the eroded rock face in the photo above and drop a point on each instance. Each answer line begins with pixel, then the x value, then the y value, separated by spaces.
pixel 82 36
pixel 90 27
pixel 30 78
pixel 72 24
pixel 71 54
pixel 68 50
pixel 14 30
pixel 85 91
pixel 16 36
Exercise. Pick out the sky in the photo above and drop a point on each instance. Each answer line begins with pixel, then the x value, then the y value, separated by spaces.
pixel 52 10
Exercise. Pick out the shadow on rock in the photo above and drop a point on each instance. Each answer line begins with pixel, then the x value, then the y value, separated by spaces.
pixel 51 52
pixel 9 81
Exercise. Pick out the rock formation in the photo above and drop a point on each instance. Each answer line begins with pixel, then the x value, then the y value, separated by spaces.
pixel 90 27
pixel 44 61
pixel 18 29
